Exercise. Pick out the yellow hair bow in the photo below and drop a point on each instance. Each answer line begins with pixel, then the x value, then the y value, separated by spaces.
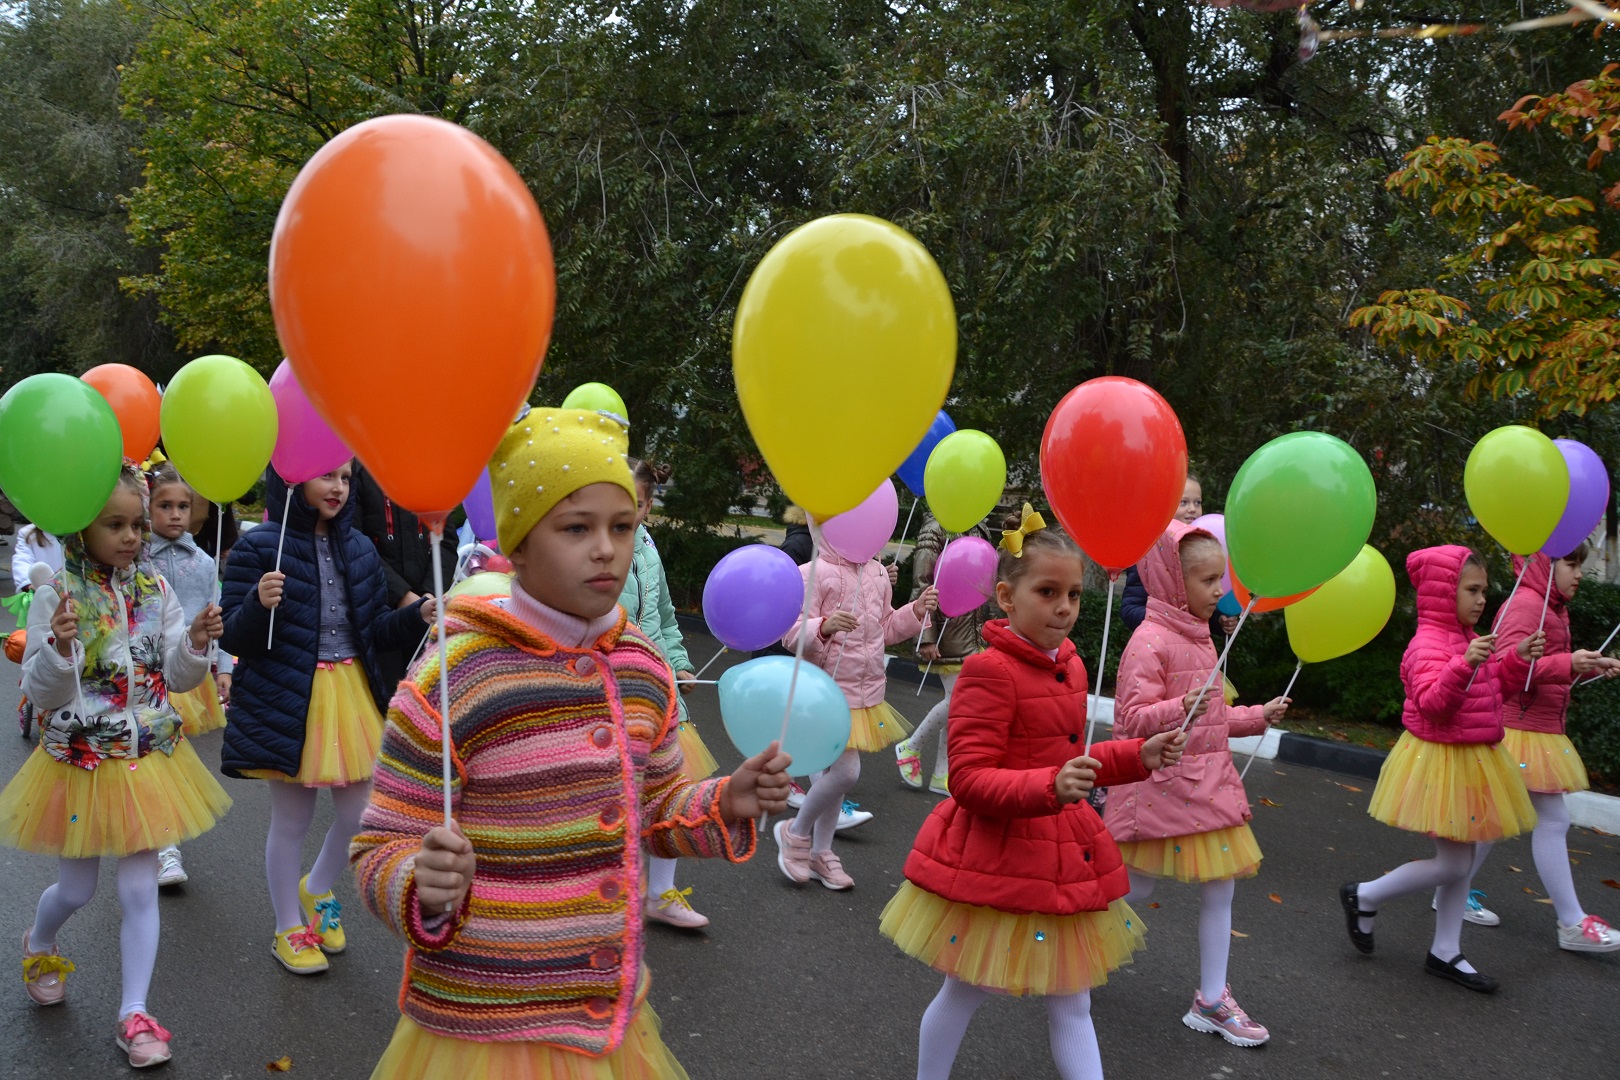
pixel 1012 540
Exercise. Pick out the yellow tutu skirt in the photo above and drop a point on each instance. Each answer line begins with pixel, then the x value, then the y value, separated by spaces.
pixel 1547 762
pixel 342 731
pixel 199 708
pixel 1013 954
pixel 1231 852
pixel 698 763
pixel 415 1053
pixel 118 808
pixel 876 727
pixel 1458 791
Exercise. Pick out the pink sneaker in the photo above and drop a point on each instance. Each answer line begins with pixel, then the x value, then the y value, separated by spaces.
pixel 44 974
pixel 673 909
pixel 792 854
pixel 826 868
pixel 1227 1019
pixel 144 1039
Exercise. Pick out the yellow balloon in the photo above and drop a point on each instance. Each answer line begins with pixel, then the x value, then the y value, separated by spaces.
pixel 1346 613
pixel 843 349
pixel 219 426
pixel 1517 485
pixel 964 479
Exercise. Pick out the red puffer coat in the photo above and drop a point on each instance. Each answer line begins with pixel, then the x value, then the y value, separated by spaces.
pixel 1441 705
pixel 1002 839
pixel 1543 706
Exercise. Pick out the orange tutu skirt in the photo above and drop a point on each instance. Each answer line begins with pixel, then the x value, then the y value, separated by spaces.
pixel 876 727
pixel 342 731
pixel 415 1053
pixel 1457 791
pixel 1013 954
pixel 697 762
pixel 118 808
pixel 1231 852
pixel 1547 762
pixel 199 708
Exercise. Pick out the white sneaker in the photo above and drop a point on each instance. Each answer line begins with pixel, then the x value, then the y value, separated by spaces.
pixel 170 870
pixel 850 815
pixel 1592 935
pixel 1475 912
pixel 795 795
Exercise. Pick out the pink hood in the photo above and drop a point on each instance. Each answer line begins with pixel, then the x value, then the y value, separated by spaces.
pixel 1542 707
pixel 853 657
pixel 1441 705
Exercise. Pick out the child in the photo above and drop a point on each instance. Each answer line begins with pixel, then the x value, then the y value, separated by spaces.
pixel 33 545
pixel 525 940
pixel 1535 739
pixel 1191 822
pixel 209 519
pixel 849 625
pixel 1013 885
pixel 647 604
pixel 303 710
pixel 113 774
pixel 1448 776
pixel 192 577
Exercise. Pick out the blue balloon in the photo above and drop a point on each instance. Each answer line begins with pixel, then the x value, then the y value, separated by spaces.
pixel 1229 606
pixel 753 697
pixel 911 469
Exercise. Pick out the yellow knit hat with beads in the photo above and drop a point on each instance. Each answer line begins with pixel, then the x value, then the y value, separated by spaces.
pixel 547 456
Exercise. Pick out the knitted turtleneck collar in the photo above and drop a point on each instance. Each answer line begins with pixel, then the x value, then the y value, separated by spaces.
pixel 569 631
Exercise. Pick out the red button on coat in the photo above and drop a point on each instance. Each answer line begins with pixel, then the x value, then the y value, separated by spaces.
pixel 602 736
pixel 604 958
pixel 599 1006
pixel 612 816
pixel 584 666
pixel 610 889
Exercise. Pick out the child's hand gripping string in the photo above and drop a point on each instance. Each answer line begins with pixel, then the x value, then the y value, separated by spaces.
pixel 1196 702
pixel 206 627
pixel 444 869
pixel 64 627
pixel 759 786
pixel 1076 779
pixel 1163 750
pixel 837 622
pixel 1533 647
pixel 1276 708
pixel 270 589
pixel 927 603
pixel 1585 661
pixel 1480 649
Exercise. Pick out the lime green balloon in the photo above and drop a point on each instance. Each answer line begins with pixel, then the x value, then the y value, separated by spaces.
pixel 964 478
pixel 1298 512
pixel 485 584
pixel 219 426
pixel 1346 613
pixel 60 451
pixel 1517 485
pixel 596 397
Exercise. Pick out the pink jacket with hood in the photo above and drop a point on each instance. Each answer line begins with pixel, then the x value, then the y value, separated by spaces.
pixel 1168 655
pixel 855 655
pixel 1543 706
pixel 1441 705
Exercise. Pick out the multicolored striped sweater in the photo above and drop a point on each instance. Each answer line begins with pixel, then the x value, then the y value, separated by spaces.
pixel 566 764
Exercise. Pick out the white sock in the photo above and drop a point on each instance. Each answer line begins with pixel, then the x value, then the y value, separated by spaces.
pixel 1214 937
pixel 138 933
pixel 348 802
pixel 1073 1036
pixel 944 1023
pixel 74 888
pixel 660 876
pixel 1549 845
pixel 292 808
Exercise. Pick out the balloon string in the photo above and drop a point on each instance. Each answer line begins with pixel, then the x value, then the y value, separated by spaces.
pixel 843 646
pixel 1601 649
pixel 924 678
pixel 710 664
pixel 461 560
pixel 444 681
pixel 1293 679
pixel 901 547
pixel 798 656
pixel 1545 600
pixel 1498 620
pixel 924 630
pixel 281 541
pixel 219 581
pixel 1187 723
pixel 1095 699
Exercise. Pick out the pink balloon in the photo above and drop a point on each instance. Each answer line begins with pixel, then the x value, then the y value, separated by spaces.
pixel 965 575
pixel 860 533
pixel 1215 524
pixel 305 446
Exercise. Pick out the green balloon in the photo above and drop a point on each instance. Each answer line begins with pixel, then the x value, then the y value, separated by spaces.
pixel 597 397
pixel 60 451
pixel 487 583
pixel 1299 511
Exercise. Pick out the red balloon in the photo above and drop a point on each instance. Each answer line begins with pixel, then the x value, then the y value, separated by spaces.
pixel 134 401
pixel 1267 603
pixel 1114 463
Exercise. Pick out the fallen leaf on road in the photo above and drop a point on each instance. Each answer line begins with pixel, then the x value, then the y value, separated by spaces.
pixel 1239 933
pixel 1531 891
pixel 281 1064
pixel 1600 832
pixel 1348 787
pixel 1515 869
pixel 1276 772
pixel 1267 802
pixel 1274 898
pixel 1153 904
pixel 1544 900
pixel 1338 736
pixel 1611 883
pixel 1578 851
pixel 1574 862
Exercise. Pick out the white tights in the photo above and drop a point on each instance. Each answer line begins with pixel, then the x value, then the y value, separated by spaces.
pixel 660 876
pixel 1214 928
pixel 1068 1018
pixel 292 809
pixel 935 722
pixel 818 817
pixel 1549 846
pixel 138 933
pixel 1448 874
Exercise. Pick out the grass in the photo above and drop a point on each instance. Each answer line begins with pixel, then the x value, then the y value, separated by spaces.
pixel 752 520
pixel 1306 722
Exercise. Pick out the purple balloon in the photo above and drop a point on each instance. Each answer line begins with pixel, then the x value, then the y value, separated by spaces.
pixel 965 575
pixel 1588 498
pixel 480 507
pixel 305 446
pixel 752 597
pixel 1215 525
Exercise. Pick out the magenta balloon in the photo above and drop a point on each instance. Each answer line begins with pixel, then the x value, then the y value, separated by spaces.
pixel 1588 498
pixel 1215 525
pixel 859 534
pixel 965 575
pixel 752 597
pixel 305 446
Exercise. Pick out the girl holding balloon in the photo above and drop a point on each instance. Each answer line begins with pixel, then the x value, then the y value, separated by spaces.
pixel 1189 822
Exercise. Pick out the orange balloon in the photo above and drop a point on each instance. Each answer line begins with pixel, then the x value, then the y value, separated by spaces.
pixel 136 403
pixel 407 255
pixel 1267 603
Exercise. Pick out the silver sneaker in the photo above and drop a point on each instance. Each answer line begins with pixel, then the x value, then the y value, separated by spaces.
pixel 170 870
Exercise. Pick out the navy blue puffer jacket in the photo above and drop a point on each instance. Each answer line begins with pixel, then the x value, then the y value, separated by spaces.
pixel 271 690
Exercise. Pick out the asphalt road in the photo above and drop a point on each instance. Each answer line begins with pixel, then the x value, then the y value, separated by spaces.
pixel 795 982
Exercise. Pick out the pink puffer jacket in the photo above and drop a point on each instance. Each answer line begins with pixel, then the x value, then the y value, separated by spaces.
pixel 853 657
pixel 1168 655
pixel 1441 706
pixel 1542 708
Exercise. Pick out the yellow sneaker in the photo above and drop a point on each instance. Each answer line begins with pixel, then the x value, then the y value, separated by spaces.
pixel 299 951
pixel 325 917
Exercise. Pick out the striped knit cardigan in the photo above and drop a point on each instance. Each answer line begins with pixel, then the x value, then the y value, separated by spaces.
pixel 566 763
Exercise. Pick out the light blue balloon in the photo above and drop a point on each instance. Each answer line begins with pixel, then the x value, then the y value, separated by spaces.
pixel 753 697
pixel 1228 605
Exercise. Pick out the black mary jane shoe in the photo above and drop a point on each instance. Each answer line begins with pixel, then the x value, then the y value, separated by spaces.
pixel 1474 980
pixel 1361 939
